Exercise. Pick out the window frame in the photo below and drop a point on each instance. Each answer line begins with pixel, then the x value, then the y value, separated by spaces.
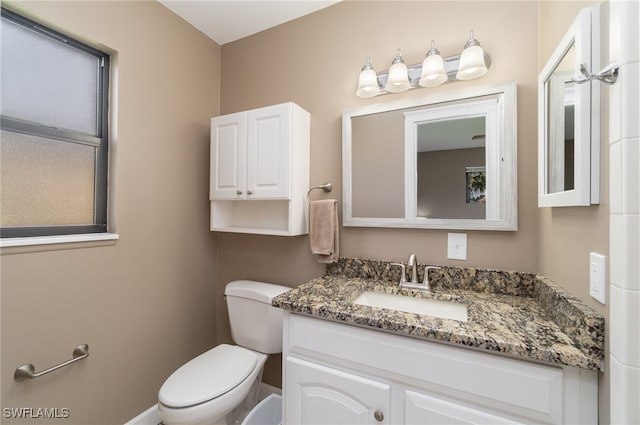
pixel 100 142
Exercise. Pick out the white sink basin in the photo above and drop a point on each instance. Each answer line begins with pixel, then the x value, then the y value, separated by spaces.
pixel 428 307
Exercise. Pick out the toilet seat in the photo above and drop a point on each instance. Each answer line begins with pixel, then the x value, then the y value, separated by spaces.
pixel 208 376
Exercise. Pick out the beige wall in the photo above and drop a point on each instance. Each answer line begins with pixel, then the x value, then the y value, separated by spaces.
pixel 154 288
pixel 315 60
pixel 144 304
pixel 568 235
pixel 563 239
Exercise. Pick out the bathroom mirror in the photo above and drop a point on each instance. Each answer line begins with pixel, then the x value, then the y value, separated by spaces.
pixel 443 161
pixel 568 119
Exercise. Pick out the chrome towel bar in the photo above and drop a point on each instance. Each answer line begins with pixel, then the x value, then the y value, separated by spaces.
pixel 327 187
pixel 28 371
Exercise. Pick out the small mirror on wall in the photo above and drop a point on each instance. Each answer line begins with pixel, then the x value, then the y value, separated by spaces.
pixel 569 119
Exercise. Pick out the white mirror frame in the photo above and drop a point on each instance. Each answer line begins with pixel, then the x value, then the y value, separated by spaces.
pixel 502 165
pixel 583 34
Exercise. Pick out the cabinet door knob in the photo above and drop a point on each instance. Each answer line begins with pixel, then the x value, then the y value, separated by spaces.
pixel 238 192
pixel 379 416
pixel 249 192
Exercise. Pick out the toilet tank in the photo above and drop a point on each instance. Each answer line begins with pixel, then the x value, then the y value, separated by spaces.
pixel 254 323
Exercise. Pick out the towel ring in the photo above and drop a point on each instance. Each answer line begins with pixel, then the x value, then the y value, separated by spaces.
pixel 327 187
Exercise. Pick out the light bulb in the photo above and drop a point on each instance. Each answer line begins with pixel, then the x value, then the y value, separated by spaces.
pixel 433 72
pixel 472 64
pixel 398 75
pixel 368 81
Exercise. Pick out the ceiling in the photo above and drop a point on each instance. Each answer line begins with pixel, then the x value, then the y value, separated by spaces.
pixel 461 133
pixel 225 21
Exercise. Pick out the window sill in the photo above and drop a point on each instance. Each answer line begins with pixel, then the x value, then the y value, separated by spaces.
pixel 54 240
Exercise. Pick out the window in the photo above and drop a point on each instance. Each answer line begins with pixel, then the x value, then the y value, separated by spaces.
pixel 53 140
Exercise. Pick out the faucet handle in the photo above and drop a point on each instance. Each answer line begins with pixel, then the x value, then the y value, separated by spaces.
pixel 403 272
pixel 425 279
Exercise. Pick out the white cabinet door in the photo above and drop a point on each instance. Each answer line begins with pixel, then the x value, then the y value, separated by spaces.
pixel 228 156
pixel 320 395
pixel 268 152
pixel 250 154
pixel 426 409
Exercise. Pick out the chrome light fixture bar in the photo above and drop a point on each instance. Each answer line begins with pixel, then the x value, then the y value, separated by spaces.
pixel 472 63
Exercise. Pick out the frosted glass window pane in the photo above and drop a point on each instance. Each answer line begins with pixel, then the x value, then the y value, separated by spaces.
pixel 45 182
pixel 48 82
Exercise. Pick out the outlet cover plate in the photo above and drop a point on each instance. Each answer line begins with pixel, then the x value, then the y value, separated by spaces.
pixel 457 246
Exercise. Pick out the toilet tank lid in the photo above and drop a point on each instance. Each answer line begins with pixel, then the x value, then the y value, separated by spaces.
pixel 259 291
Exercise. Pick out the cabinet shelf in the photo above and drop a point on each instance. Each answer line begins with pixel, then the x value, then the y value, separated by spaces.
pixel 266 217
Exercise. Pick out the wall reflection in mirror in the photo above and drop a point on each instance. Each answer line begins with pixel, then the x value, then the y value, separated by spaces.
pixel 451 168
pixel 560 90
pixel 443 150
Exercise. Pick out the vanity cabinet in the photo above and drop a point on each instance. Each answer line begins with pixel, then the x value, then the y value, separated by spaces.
pixel 342 374
pixel 260 170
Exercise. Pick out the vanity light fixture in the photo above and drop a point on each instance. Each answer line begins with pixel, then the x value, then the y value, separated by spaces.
pixel 472 63
pixel 433 71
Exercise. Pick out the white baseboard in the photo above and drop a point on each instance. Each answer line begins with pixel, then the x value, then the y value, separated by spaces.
pixel 148 417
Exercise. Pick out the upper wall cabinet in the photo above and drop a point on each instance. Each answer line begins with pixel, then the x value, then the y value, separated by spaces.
pixel 260 170
pixel 569 118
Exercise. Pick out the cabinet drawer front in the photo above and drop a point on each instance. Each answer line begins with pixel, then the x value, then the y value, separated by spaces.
pixel 320 395
pixel 424 409
pixel 528 389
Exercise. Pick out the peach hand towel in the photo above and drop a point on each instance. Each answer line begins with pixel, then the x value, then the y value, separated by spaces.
pixel 323 230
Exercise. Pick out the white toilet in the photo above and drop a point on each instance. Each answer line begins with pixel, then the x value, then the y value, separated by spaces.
pixel 206 389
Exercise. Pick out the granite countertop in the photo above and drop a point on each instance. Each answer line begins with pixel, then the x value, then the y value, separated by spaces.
pixel 516 314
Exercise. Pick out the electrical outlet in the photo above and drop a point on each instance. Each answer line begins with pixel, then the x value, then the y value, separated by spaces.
pixel 598 277
pixel 457 246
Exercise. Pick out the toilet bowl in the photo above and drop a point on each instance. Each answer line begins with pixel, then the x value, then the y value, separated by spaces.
pixel 209 387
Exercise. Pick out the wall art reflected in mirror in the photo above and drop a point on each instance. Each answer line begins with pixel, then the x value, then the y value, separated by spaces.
pixel 443 162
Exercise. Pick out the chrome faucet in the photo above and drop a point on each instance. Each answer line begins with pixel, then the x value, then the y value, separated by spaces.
pixel 413 263
pixel 414 284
